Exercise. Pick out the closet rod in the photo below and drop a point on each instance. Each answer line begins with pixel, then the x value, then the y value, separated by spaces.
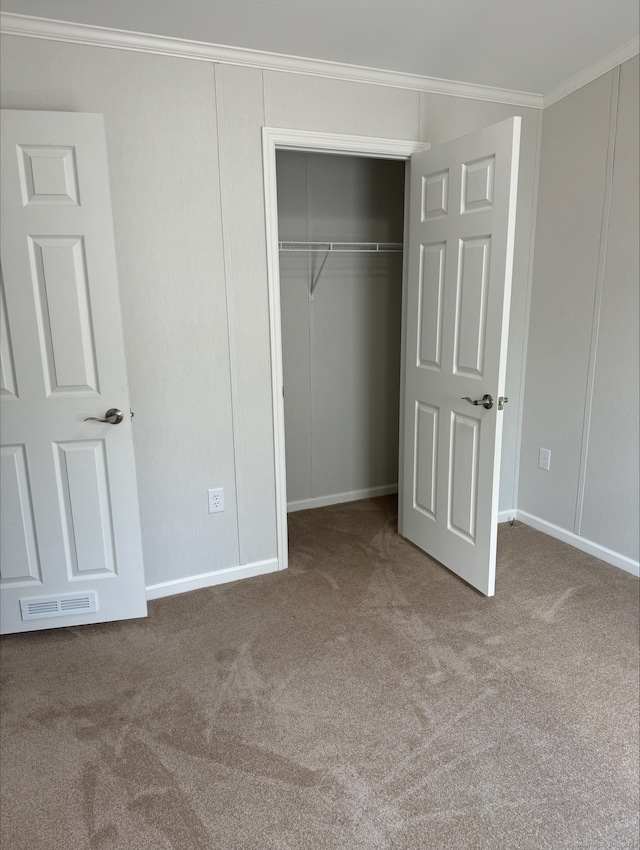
pixel 356 247
pixel 345 247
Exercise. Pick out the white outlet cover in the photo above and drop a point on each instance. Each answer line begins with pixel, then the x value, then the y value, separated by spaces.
pixel 215 499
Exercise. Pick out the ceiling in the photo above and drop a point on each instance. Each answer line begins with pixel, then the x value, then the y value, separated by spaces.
pixel 522 45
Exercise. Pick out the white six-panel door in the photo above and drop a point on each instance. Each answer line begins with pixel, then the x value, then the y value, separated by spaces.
pixel 461 234
pixel 71 550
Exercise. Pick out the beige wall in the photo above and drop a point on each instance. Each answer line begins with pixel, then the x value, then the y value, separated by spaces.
pixel 185 160
pixel 581 393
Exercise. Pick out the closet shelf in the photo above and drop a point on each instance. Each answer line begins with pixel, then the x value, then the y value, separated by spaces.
pixel 339 247
pixel 325 247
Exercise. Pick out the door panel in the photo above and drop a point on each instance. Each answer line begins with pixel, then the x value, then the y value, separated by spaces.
pixel 471 306
pixel 431 300
pixel 463 476
pixel 18 528
pixel 7 370
pixel 461 231
pixel 64 319
pixel 69 511
pixel 425 478
pixel 83 485
pixel 48 175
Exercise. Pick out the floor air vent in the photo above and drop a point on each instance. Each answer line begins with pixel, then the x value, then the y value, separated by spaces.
pixel 37 607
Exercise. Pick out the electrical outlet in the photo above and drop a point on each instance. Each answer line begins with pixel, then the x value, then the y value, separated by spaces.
pixel 544 459
pixel 216 500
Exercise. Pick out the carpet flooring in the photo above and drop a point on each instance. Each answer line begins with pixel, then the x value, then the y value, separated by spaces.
pixel 365 698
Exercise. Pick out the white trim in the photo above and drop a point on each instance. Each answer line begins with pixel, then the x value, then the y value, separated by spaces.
pixel 341 498
pixel 12 23
pixel 588 546
pixel 182 585
pixel 274 138
pixel 403 350
pixel 507 516
pixel 275 335
pixel 602 66
pixel 339 143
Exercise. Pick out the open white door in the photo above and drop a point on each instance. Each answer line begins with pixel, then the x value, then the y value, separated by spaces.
pixel 461 235
pixel 70 535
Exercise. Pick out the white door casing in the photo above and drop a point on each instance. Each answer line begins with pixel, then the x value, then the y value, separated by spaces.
pixel 70 518
pixel 457 294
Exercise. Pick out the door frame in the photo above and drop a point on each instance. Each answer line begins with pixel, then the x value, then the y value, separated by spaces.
pixel 305 141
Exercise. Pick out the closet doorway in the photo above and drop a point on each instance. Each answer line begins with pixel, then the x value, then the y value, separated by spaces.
pixel 394 156
pixel 340 231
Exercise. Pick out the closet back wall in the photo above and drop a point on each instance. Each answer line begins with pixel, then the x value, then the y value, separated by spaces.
pixel 341 350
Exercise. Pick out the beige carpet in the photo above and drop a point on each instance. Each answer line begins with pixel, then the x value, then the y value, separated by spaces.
pixel 366 698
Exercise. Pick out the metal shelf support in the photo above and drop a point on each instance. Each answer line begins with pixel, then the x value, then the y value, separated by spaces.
pixel 338 247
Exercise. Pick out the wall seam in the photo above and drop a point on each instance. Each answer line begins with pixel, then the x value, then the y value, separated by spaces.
pixel 597 300
pixel 263 82
pixel 232 388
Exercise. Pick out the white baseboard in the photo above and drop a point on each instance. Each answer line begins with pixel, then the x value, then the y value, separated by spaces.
pixel 338 498
pixel 588 546
pixel 182 585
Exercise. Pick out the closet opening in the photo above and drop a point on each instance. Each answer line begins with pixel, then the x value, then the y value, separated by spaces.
pixel 340 245
pixel 288 220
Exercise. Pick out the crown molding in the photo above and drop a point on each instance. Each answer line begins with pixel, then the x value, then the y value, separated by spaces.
pixel 12 23
pixel 45 28
pixel 603 66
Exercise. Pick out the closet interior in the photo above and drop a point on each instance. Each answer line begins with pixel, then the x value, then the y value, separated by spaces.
pixel 340 233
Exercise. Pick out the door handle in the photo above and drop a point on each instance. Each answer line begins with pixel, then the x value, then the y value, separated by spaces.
pixel 485 401
pixel 113 416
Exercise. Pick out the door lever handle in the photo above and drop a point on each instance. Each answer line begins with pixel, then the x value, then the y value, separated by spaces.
pixel 486 401
pixel 113 416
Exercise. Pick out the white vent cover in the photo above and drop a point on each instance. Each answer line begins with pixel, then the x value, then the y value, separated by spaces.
pixel 38 607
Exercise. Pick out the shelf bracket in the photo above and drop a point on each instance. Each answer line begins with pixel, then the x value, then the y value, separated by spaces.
pixel 315 280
